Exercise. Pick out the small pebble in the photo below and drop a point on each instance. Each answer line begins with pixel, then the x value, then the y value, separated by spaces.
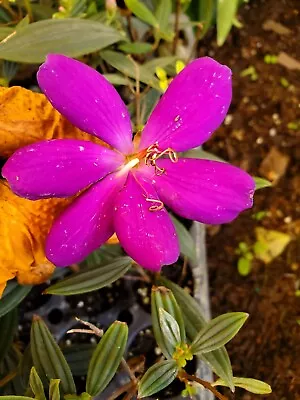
pixel 157 351
pixel 228 119
pixel 272 132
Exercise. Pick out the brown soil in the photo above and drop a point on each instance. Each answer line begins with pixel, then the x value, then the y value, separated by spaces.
pixel 268 347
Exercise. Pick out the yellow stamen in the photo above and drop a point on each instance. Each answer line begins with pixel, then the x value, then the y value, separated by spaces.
pixel 153 154
pixel 159 205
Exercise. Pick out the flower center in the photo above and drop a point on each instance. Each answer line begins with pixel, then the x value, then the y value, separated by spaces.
pixel 150 156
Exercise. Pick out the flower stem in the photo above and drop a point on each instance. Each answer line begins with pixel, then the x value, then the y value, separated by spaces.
pixel 184 376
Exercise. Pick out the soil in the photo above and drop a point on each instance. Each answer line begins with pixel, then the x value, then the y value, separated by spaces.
pixel 268 347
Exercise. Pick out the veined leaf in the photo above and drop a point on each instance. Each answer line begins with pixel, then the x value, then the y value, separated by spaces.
pixel 54 393
pixel 218 332
pixel 36 385
pixel 48 358
pixel 91 278
pixel 252 385
pixel 15 398
pixel 157 377
pixel 169 327
pixel 71 36
pixel 218 359
pixel 163 298
pixel 142 12
pixel 12 296
pixel 8 326
pixel 106 358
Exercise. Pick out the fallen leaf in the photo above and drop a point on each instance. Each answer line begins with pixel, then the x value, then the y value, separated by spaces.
pixel 274 165
pixel 24 225
pixel 287 61
pixel 270 244
pixel 27 117
pixel 277 27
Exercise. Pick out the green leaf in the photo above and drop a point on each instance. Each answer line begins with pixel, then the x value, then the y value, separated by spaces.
pixel 244 266
pixel 261 183
pixel 226 11
pixel 162 14
pixel 9 366
pixel 218 359
pixel 5 31
pixel 159 62
pixel 126 66
pixel 93 278
pixel 187 244
pixel 15 398
pixel 24 367
pixel 116 79
pixel 157 377
pixel 12 296
pixel 48 358
pixel 163 298
pixel 169 327
pixel 218 332
pixel 71 36
pixel 202 154
pixel 107 253
pixel 106 358
pixel 252 385
pixel 206 14
pixel 36 385
pixel 54 393
pixel 142 12
pixel 8 326
pixel 136 48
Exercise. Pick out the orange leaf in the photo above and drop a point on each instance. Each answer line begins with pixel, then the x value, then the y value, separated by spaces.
pixel 27 117
pixel 24 225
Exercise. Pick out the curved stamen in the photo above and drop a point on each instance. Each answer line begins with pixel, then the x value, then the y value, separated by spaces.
pixel 157 206
pixel 154 153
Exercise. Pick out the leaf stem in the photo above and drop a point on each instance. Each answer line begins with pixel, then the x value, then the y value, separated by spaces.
pixel 176 26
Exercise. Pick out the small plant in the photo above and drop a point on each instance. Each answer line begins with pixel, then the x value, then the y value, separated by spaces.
pixel 180 336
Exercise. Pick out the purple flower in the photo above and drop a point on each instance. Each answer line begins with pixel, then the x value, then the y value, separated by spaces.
pixel 123 188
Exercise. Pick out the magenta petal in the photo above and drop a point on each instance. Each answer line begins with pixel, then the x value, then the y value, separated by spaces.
pixel 86 99
pixel 194 105
pixel 149 237
pixel 85 225
pixel 58 168
pixel 207 191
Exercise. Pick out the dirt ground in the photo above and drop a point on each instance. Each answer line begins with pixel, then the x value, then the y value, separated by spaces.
pixel 259 137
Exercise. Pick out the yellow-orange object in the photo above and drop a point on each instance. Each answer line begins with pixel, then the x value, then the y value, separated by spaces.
pixel 27 117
